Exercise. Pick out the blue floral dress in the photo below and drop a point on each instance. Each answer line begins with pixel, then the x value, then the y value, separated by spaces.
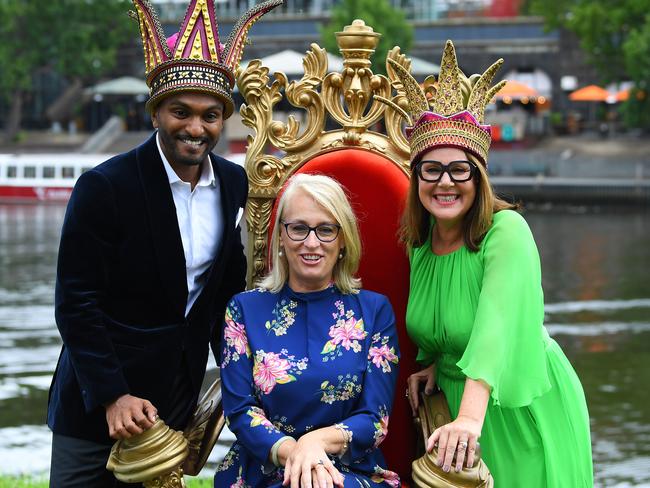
pixel 294 362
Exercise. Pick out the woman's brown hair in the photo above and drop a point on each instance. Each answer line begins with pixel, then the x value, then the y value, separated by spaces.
pixel 416 220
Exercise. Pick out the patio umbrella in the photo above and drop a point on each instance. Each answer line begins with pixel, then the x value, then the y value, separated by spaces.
pixel 516 90
pixel 591 93
pixel 421 67
pixel 126 85
pixel 290 63
pixel 622 95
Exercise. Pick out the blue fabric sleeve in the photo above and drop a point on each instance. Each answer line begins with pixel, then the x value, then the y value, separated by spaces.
pixel 244 414
pixel 368 423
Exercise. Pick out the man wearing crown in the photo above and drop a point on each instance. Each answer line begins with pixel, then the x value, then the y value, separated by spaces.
pixel 150 254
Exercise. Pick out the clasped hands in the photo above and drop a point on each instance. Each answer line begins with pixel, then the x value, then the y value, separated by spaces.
pixel 456 441
pixel 306 464
pixel 129 415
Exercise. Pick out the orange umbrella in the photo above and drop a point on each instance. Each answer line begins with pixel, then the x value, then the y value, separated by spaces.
pixel 591 93
pixel 623 95
pixel 516 90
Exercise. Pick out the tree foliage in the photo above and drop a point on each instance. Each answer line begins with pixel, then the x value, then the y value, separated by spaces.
pixel 378 14
pixel 76 38
pixel 615 34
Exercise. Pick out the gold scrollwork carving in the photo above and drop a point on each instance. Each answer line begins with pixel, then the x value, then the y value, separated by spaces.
pixel 258 215
pixel 351 98
pixel 393 119
pixel 172 480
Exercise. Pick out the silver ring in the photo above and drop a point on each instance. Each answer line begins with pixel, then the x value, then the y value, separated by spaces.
pixel 321 462
pixel 462 445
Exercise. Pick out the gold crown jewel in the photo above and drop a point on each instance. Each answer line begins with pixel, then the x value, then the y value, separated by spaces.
pixel 194 59
pixel 453 115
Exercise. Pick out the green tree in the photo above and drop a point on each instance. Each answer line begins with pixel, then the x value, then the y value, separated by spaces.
pixel 615 34
pixel 381 16
pixel 79 39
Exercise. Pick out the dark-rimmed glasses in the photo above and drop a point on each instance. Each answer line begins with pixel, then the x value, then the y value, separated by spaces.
pixel 297 231
pixel 432 171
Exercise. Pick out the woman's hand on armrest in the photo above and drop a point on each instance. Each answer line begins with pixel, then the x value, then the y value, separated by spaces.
pixel 307 462
pixel 459 438
pixel 427 377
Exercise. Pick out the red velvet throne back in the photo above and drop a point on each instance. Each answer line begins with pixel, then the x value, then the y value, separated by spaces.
pixel 377 189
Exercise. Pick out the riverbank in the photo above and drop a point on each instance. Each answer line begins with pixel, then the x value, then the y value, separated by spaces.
pixel 624 156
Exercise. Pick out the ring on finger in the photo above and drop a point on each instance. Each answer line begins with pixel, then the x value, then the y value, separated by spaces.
pixel 462 445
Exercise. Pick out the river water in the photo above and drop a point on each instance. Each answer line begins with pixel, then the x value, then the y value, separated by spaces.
pixel 596 265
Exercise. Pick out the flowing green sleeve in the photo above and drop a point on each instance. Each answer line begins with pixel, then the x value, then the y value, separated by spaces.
pixel 507 346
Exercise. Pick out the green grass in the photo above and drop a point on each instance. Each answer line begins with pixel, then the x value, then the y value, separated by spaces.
pixel 22 482
pixel 30 482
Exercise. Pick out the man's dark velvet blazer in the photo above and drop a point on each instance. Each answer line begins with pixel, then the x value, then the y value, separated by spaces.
pixel 121 291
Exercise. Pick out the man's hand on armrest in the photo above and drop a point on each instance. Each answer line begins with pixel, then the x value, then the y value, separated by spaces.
pixel 128 416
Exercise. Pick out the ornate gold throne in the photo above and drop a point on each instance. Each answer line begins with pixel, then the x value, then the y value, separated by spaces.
pixel 350 135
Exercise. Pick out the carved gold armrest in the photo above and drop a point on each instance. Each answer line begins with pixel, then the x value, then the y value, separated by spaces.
pixel 160 456
pixel 433 412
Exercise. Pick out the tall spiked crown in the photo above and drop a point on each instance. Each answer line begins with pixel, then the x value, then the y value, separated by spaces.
pixel 194 59
pixel 453 114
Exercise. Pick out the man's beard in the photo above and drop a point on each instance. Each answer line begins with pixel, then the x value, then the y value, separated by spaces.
pixel 172 143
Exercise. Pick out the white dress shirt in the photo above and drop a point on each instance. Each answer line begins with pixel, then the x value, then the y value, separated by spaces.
pixel 200 222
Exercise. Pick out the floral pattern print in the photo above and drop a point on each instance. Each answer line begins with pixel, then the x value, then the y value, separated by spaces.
pixel 236 342
pixel 284 317
pixel 345 333
pixel 280 380
pixel 239 482
pixel 382 475
pixel 381 354
pixel 347 388
pixel 272 369
pixel 229 459
pixel 282 424
pixel 381 427
pixel 259 418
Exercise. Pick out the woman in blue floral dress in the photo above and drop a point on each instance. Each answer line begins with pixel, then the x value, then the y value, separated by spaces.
pixel 309 363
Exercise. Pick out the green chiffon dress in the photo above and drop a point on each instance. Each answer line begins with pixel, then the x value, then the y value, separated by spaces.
pixel 480 315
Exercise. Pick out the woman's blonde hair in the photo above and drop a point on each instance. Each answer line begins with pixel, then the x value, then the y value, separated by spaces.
pixel 416 220
pixel 329 194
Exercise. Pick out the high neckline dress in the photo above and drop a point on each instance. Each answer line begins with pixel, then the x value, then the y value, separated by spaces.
pixel 480 315
pixel 294 362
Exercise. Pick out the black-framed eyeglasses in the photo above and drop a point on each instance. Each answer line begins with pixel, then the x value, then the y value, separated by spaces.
pixel 297 231
pixel 432 171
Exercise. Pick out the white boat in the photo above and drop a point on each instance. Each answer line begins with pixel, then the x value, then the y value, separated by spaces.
pixel 43 178
pixel 33 178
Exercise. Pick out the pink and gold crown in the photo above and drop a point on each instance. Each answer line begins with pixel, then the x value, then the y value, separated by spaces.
pixel 194 59
pixel 453 114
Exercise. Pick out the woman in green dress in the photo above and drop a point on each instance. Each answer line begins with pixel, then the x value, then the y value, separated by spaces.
pixel 476 305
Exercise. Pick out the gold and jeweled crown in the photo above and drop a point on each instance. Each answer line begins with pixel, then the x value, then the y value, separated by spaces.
pixel 194 59
pixel 453 113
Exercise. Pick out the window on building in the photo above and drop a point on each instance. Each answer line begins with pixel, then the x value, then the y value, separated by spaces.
pixel 29 172
pixel 48 171
pixel 67 172
pixel 12 171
